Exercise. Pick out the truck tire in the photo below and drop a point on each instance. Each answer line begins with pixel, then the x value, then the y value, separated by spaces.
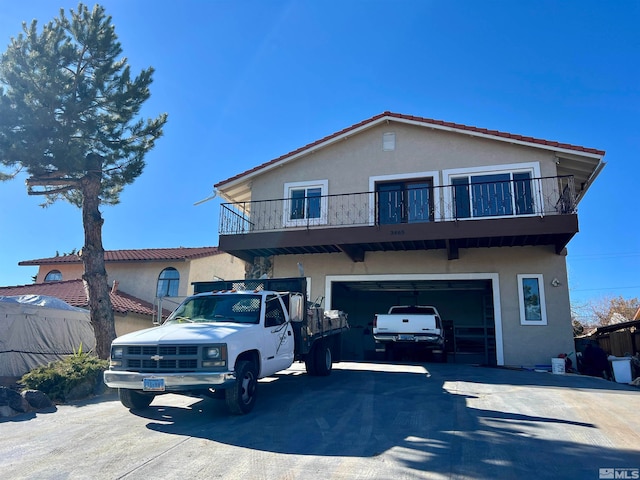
pixel 310 362
pixel 439 356
pixel 241 396
pixel 134 400
pixel 323 359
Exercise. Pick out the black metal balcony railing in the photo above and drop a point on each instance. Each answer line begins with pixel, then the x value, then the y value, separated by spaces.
pixel 499 199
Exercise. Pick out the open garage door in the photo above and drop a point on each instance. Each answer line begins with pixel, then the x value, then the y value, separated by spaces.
pixel 465 305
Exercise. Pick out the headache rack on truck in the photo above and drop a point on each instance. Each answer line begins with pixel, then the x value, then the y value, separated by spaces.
pixel 316 322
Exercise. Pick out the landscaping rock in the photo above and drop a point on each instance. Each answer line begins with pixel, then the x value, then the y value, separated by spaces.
pixel 37 400
pixel 12 403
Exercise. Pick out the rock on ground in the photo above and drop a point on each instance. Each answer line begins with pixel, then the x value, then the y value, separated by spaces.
pixel 13 403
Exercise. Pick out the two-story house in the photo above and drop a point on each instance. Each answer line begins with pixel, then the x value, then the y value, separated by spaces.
pixel 399 210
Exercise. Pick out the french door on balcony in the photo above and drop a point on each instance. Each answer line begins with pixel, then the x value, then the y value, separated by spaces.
pixel 405 202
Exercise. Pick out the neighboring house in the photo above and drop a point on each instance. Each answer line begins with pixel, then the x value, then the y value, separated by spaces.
pixel 407 210
pixel 130 313
pixel 153 279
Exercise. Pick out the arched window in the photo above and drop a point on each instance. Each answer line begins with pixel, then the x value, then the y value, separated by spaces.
pixel 53 276
pixel 168 283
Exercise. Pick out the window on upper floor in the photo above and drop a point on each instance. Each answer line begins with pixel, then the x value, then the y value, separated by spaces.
pixel 53 276
pixel 168 283
pixel 496 192
pixel 407 201
pixel 306 203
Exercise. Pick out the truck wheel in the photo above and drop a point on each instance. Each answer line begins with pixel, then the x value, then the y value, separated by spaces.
pixel 310 362
pixel 134 400
pixel 323 359
pixel 241 396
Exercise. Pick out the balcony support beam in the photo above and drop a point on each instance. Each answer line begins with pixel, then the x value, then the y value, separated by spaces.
pixel 453 252
pixel 355 253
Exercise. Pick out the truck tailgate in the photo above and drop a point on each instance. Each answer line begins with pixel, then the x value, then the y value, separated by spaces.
pixel 407 323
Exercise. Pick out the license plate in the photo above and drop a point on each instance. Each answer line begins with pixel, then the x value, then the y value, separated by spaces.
pixel 405 337
pixel 153 384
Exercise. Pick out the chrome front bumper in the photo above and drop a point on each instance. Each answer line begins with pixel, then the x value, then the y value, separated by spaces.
pixel 174 382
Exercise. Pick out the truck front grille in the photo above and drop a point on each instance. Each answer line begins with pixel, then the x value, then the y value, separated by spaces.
pixel 161 358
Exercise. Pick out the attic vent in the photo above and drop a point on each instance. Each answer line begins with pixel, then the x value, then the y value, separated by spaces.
pixel 388 141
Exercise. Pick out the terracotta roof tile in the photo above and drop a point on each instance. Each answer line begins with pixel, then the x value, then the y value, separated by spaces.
pixel 426 121
pixel 73 292
pixel 143 255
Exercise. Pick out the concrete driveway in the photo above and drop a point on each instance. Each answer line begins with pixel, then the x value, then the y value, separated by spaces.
pixel 365 421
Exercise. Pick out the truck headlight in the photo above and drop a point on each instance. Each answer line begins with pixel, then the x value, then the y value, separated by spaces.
pixel 116 356
pixel 214 356
pixel 213 352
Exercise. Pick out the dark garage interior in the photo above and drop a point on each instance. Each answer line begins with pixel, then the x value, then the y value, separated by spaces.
pixel 465 307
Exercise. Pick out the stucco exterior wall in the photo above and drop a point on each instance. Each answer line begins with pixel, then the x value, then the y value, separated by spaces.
pixel 350 163
pixel 140 279
pixel 69 272
pixel 520 344
pixel 224 266
pixel 131 323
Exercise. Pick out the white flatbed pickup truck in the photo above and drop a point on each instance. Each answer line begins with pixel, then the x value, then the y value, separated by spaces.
pixel 410 326
pixel 221 341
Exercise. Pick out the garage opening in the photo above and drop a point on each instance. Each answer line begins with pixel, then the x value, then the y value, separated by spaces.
pixel 466 307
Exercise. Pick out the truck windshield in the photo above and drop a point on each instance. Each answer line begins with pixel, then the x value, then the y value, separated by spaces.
pixel 218 308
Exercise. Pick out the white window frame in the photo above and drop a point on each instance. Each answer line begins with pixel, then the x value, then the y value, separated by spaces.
pixel 303 222
pixel 533 167
pixel 543 303
pixel 433 175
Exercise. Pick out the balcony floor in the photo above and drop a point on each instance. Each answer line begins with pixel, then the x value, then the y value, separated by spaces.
pixel 555 230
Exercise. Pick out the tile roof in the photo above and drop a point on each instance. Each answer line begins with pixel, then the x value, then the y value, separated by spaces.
pixel 426 121
pixel 73 292
pixel 143 255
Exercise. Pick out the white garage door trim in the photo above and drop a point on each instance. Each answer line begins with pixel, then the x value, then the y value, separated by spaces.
pixel 493 277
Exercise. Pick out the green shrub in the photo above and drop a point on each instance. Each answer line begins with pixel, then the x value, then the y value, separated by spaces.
pixel 62 380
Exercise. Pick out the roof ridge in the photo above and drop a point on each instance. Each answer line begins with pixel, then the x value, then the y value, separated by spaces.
pixel 137 254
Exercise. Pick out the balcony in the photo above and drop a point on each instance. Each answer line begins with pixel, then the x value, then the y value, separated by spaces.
pixel 518 212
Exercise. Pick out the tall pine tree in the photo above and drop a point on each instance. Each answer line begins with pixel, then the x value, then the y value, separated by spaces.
pixel 69 118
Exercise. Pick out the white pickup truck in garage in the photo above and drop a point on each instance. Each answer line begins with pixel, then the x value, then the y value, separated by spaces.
pixel 409 327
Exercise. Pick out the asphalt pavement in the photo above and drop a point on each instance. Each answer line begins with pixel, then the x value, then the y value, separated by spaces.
pixel 365 421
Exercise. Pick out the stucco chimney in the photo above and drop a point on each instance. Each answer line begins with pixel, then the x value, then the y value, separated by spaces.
pixel 114 288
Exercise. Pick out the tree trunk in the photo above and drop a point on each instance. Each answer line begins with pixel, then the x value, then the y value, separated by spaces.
pixel 95 274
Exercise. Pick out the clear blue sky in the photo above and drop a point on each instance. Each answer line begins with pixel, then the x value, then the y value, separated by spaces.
pixel 244 82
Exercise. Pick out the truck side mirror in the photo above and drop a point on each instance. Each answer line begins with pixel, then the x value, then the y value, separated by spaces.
pixel 296 307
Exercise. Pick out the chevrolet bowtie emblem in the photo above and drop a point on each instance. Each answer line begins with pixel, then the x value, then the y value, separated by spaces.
pixel 157 358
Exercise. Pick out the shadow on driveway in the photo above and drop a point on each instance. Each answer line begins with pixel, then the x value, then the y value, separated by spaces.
pixel 450 419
